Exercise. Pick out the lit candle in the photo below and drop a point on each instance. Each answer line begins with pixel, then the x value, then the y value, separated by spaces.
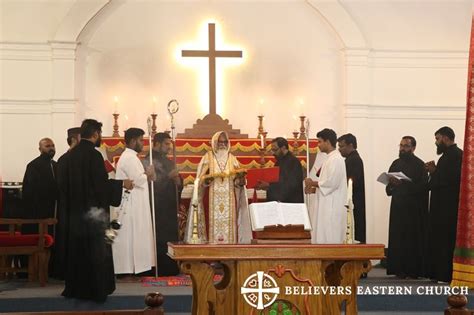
pixel 349 190
pixel 260 107
pixel 116 104
pixel 154 105
pixel 262 142
pixel 301 106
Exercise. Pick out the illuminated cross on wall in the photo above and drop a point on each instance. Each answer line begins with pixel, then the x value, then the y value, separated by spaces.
pixel 212 54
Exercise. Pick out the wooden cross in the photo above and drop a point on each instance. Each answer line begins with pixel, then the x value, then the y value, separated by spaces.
pixel 212 54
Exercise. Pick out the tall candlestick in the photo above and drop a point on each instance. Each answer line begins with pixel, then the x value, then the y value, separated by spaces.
pixel 302 128
pixel 116 127
pixel 261 130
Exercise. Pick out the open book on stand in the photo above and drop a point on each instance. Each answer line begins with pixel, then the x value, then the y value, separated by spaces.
pixel 277 213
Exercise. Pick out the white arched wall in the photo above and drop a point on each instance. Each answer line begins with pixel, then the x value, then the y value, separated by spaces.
pixel 279 66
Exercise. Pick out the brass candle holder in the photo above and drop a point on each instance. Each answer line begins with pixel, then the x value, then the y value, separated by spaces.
pixel 195 234
pixel 302 128
pixel 295 142
pixel 116 126
pixel 261 130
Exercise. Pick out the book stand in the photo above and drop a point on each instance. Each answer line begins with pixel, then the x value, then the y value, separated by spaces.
pixel 282 234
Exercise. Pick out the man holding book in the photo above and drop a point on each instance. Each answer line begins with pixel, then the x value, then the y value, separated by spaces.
pixel 408 213
pixel 289 188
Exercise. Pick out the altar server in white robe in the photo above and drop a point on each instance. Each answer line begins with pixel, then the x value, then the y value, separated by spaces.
pixel 331 192
pixel 311 199
pixel 133 248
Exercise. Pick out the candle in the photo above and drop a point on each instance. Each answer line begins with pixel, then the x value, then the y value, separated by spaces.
pixel 262 142
pixel 154 105
pixel 301 106
pixel 349 190
pixel 260 107
pixel 116 104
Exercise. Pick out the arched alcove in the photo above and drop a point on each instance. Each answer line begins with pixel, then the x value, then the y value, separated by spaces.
pixel 129 49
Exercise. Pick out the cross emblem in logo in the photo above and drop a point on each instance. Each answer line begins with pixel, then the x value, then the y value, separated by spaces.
pixel 260 290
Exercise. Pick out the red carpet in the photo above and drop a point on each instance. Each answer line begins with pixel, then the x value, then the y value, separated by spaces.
pixel 174 281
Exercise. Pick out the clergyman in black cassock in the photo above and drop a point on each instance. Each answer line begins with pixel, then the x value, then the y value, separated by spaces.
pixel 167 188
pixel 89 264
pixel 39 187
pixel 289 188
pixel 355 171
pixel 445 181
pixel 408 213
pixel 58 251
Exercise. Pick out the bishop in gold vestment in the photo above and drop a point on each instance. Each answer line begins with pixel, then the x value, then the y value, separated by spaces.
pixel 229 220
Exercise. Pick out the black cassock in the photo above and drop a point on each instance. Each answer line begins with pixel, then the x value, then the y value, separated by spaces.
pixel 166 212
pixel 408 213
pixel 58 263
pixel 290 186
pixel 444 185
pixel 355 171
pixel 89 193
pixel 39 191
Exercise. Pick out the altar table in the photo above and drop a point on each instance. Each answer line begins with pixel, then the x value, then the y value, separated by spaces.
pixel 291 279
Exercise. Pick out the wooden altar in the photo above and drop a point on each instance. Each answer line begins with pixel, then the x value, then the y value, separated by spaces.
pixel 252 274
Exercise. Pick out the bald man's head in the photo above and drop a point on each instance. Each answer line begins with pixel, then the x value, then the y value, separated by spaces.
pixel 46 146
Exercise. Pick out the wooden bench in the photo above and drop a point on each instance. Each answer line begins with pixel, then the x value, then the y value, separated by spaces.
pixel 35 246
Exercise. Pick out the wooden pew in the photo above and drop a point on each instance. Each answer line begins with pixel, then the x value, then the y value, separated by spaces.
pixel 35 246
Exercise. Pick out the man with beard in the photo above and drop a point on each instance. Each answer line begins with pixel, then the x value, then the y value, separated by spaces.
pixel 444 183
pixel 408 211
pixel 331 190
pixel 229 221
pixel 133 248
pixel 355 171
pixel 167 189
pixel 58 250
pixel 40 187
pixel 89 264
pixel 289 188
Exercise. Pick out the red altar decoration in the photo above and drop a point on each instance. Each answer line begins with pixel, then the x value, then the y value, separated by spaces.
pixel 190 151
